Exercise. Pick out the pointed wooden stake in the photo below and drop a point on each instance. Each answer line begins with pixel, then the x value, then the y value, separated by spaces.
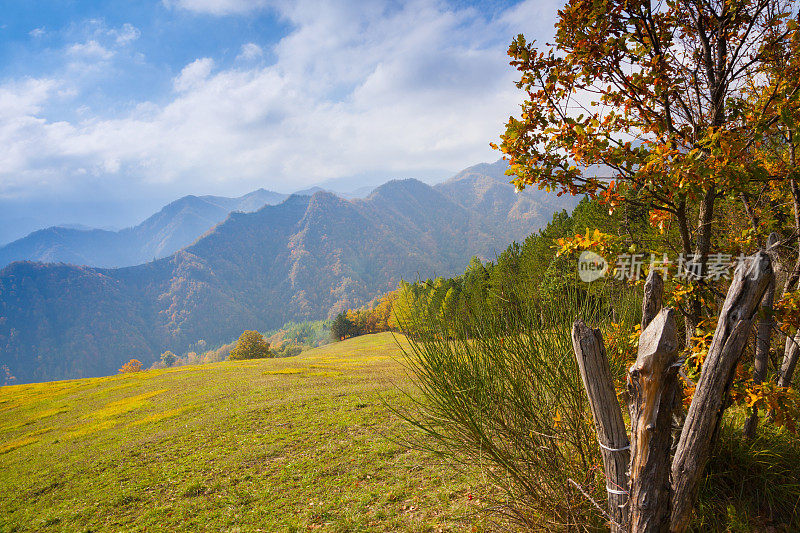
pixel 595 371
pixel 653 296
pixel 652 385
pixel 791 354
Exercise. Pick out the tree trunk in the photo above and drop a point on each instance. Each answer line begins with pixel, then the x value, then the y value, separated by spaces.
pixel 747 289
pixel 791 349
pixel 595 372
pixel 791 353
pixel 705 219
pixel 686 247
pixel 652 385
pixel 763 339
pixel 755 223
pixel 794 275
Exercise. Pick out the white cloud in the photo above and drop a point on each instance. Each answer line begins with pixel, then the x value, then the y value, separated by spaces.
pixel 250 51
pixel 125 34
pixel 102 43
pixel 217 7
pixel 194 74
pixel 90 50
pixel 377 88
pixel 36 32
pixel 25 98
pixel 531 18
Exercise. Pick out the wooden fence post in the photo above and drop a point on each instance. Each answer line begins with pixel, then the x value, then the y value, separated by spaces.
pixel 652 385
pixel 749 283
pixel 595 372
pixel 653 297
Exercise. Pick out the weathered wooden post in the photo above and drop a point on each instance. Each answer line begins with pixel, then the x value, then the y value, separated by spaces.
pixel 653 297
pixel 791 350
pixel 653 388
pixel 750 281
pixel 595 372
pixel 662 495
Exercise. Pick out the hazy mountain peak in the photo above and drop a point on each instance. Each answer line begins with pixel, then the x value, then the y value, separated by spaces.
pixel 321 203
pixel 486 189
pixel 310 191
pixel 173 227
pixel 323 195
pixel 495 170
pixel 404 185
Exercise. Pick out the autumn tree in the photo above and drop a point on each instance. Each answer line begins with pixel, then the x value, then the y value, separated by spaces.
pixel 134 365
pixel 671 110
pixel 649 106
pixel 251 345
pixel 774 206
pixel 342 327
pixel 168 358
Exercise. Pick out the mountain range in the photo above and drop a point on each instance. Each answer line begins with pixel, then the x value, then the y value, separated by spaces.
pixel 306 257
pixel 175 226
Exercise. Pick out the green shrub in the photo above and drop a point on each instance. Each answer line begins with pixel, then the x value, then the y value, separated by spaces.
pixel 168 358
pixel 289 350
pixel 500 388
pixel 251 345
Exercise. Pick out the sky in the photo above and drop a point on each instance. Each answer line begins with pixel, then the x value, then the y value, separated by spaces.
pixel 147 100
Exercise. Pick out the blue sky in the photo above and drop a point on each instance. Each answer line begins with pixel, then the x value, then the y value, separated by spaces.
pixel 156 99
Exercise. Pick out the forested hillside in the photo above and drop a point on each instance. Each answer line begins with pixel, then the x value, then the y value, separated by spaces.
pixel 309 257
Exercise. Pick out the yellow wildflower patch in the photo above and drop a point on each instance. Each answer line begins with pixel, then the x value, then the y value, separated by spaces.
pixel 157 417
pixel 124 405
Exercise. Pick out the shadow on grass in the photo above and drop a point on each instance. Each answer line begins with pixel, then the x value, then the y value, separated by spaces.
pixel 751 485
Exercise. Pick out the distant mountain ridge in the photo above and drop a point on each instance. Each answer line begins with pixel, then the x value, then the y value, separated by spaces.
pixel 175 226
pixel 307 257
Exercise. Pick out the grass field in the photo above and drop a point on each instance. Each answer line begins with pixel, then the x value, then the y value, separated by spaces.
pixel 303 443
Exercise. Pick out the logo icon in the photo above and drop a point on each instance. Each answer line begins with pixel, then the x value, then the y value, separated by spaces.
pixel 591 266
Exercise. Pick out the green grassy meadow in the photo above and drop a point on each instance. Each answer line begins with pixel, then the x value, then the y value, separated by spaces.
pixel 302 443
